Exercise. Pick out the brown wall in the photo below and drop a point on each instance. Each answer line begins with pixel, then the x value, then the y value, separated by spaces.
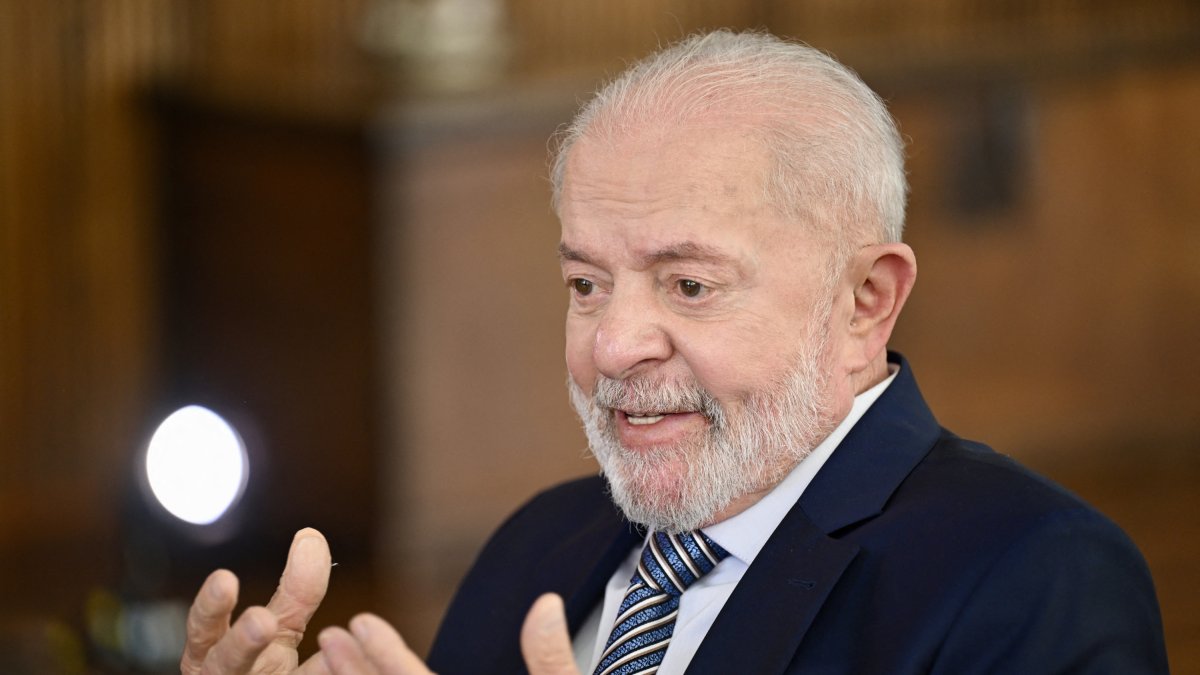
pixel 1053 158
pixel 1062 307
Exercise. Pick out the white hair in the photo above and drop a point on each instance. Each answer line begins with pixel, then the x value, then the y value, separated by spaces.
pixel 838 157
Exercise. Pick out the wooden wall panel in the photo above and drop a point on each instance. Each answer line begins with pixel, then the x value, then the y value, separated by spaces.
pixel 916 39
pixel 271 40
pixel 76 298
pixel 80 329
pixel 474 335
pixel 1053 325
pixel 575 35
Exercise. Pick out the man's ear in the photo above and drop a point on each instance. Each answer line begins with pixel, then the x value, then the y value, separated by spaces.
pixel 883 276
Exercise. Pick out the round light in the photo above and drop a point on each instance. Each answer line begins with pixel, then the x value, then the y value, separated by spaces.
pixel 196 465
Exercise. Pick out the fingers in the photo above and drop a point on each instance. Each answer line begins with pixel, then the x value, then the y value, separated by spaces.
pixel 302 586
pixel 208 619
pixel 545 640
pixel 343 655
pixel 236 652
pixel 384 647
pixel 315 665
pixel 371 647
pixel 214 646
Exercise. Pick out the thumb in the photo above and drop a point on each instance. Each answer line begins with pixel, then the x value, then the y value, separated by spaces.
pixel 302 586
pixel 545 641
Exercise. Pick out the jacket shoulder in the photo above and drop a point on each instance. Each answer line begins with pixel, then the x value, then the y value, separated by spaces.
pixel 1020 574
pixel 564 540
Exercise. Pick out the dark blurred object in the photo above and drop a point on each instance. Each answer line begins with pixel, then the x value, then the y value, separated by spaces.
pixel 40 647
pixel 268 301
pixel 136 636
pixel 991 152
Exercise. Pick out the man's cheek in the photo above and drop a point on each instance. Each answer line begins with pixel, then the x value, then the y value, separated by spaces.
pixel 580 366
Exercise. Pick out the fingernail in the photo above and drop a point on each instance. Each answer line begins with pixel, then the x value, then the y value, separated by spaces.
pixel 359 627
pixel 256 631
pixel 305 543
pixel 214 591
pixel 553 618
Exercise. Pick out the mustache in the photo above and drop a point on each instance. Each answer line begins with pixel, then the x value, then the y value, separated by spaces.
pixel 647 395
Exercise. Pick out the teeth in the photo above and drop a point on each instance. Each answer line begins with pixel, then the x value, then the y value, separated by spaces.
pixel 638 420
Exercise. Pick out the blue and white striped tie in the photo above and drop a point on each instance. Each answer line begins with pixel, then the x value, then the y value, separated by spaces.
pixel 669 564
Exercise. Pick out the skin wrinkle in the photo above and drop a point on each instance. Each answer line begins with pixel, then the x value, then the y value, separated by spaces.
pixel 682 251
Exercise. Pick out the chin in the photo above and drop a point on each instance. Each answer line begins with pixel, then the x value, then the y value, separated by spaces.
pixel 660 488
pixel 660 495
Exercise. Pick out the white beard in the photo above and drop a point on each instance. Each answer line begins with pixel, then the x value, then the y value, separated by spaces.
pixel 685 486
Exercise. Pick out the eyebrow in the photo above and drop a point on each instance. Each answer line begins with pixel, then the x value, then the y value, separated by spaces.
pixel 566 253
pixel 685 250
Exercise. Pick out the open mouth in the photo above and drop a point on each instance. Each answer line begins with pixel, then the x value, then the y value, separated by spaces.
pixel 647 418
pixel 640 420
pixel 646 429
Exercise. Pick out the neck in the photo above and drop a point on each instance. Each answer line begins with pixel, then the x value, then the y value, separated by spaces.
pixel 875 372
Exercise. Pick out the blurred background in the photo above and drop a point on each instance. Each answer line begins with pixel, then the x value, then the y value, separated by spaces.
pixel 327 221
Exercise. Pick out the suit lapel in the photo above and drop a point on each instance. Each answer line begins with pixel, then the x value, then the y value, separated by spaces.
pixel 578 567
pixel 876 456
pixel 762 625
pixel 583 596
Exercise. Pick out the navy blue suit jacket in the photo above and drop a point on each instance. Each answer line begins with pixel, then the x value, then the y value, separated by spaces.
pixel 912 551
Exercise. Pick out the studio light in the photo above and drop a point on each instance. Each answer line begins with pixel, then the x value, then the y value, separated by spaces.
pixel 196 465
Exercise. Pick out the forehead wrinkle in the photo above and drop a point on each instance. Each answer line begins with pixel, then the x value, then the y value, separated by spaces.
pixel 669 170
pixel 688 250
pixel 625 199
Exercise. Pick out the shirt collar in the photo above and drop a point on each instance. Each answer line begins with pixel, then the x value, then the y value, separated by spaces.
pixel 746 533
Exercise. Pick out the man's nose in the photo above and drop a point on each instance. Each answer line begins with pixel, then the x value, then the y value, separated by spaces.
pixel 631 336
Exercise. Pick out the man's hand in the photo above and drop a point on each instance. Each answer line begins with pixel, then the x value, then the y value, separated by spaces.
pixel 263 639
pixel 373 647
pixel 545 640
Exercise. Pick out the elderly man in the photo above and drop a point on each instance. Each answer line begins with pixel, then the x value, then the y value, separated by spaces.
pixel 731 215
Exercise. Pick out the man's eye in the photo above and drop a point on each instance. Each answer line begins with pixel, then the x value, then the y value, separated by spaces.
pixel 582 286
pixel 690 288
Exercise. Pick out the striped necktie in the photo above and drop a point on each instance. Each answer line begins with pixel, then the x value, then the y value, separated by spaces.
pixel 669 564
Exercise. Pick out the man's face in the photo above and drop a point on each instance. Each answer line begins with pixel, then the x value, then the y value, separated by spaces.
pixel 697 334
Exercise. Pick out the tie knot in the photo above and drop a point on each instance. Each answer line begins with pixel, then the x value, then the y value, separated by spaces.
pixel 672 562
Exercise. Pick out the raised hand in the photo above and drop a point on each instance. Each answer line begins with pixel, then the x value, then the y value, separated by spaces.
pixel 263 640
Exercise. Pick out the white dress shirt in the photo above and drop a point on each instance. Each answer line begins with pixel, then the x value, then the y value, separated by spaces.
pixel 743 536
